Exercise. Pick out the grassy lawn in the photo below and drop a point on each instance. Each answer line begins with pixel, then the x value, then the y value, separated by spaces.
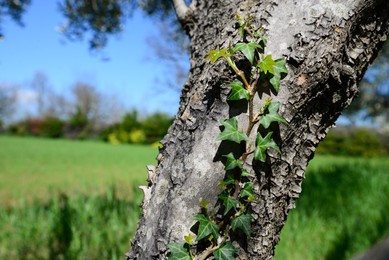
pixel 343 209
pixel 36 168
pixel 78 200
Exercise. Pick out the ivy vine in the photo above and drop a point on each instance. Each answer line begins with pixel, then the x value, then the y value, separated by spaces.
pixel 214 229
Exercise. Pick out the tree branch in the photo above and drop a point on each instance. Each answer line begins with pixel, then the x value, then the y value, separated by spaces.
pixel 182 10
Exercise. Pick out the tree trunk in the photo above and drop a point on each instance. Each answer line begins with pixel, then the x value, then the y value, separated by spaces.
pixel 327 45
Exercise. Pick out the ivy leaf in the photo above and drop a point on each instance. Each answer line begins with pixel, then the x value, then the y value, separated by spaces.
pixel 230 180
pixel 178 252
pixel 206 227
pixel 271 115
pixel 231 162
pixel 189 239
pixel 262 145
pixel 238 92
pixel 248 49
pixel 247 190
pixel 231 132
pixel 258 34
pixel 214 55
pixel 225 252
pixel 242 222
pixel 246 173
pixel 280 71
pixel 229 202
pixel 267 65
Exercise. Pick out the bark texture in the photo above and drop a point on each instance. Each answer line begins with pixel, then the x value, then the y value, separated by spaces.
pixel 328 45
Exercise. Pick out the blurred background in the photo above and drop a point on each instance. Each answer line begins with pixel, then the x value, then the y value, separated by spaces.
pixel 87 90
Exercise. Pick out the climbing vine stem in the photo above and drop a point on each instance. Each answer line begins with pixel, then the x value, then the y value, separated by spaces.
pixel 214 229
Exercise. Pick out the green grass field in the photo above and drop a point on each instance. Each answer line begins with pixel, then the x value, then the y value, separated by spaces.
pixel 37 168
pixel 63 199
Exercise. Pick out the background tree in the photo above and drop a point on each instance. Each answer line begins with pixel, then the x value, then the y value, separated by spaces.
pixel 87 102
pixel 7 102
pixel 13 9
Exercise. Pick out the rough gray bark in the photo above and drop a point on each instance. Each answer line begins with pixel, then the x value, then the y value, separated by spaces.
pixel 327 44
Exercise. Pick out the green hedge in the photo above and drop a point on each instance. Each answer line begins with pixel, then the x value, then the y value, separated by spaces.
pixel 356 142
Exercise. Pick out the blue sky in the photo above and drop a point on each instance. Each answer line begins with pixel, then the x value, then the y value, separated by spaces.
pixel 130 74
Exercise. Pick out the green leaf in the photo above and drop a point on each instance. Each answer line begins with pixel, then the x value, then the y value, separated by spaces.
pixel 203 204
pixel 267 64
pixel 230 179
pixel 206 227
pixel 229 202
pixel 246 173
pixel 178 252
pixel 238 92
pixel 247 190
pixel 214 55
pixel 248 49
pixel 280 71
pixel 258 34
pixel 270 115
pixel 225 252
pixel 242 222
pixel 262 145
pixel 189 239
pixel 231 132
pixel 231 162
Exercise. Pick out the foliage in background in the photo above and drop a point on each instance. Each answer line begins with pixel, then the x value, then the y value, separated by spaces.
pixel 131 129
pixel 82 227
pixel 363 142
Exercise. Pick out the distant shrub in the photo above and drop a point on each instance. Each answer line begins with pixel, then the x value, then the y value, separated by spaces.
pixel 19 128
pixel 149 130
pixel 358 142
pixel 137 136
pixel 156 126
pixel 52 127
pixel 34 126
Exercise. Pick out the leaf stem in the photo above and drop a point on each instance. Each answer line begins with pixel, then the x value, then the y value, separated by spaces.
pixel 238 72
pixel 209 251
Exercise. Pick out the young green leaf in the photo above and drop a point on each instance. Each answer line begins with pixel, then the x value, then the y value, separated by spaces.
pixel 242 222
pixel 228 202
pixel 206 227
pixel 258 34
pixel 246 173
pixel 280 71
pixel 225 252
pixel 238 92
pixel 189 239
pixel 248 49
pixel 203 204
pixel 271 115
pixel 262 145
pixel 214 55
pixel 231 132
pixel 267 64
pixel 178 252
pixel 247 190
pixel 231 162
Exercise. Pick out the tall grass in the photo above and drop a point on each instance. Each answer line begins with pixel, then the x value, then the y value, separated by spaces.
pixel 343 209
pixel 80 227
